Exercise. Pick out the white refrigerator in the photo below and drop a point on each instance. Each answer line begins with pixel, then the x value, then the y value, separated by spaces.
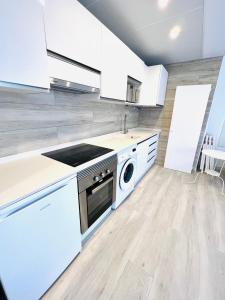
pixel 39 237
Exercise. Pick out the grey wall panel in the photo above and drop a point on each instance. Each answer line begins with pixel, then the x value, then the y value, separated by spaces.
pixel 17 141
pixel 33 121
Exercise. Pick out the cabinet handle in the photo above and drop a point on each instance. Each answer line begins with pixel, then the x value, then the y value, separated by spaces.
pixel 45 206
pixel 152 144
pixel 148 161
pixel 98 188
pixel 151 151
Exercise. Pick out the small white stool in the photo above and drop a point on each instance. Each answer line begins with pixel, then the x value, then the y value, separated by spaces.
pixel 216 154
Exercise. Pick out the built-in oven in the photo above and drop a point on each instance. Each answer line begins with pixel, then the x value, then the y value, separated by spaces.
pixel 97 190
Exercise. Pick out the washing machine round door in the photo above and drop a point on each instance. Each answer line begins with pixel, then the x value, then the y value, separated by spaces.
pixel 127 175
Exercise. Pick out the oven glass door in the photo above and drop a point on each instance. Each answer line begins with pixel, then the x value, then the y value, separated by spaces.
pixel 99 199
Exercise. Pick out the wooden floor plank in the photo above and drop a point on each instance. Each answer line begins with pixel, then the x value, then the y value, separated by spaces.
pixel 167 241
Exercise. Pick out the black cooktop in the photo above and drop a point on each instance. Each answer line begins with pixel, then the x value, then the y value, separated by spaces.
pixel 78 154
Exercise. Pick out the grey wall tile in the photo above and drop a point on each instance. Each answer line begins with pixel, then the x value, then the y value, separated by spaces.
pixel 46 98
pixel 32 121
pixel 17 141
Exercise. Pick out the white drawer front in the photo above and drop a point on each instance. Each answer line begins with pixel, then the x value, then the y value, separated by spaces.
pixel 153 154
pixel 146 155
pixel 153 139
pixel 151 162
pixel 152 148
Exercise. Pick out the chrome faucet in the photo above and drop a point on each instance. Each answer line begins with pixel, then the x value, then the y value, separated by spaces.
pixel 125 130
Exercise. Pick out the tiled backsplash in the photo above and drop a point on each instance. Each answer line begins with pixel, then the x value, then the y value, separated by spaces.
pixel 33 121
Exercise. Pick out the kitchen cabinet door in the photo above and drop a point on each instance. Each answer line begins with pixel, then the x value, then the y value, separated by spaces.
pixel 142 157
pixel 135 66
pixel 23 56
pixel 62 70
pixel 153 88
pixel 38 241
pixel 146 155
pixel 114 72
pixel 188 114
pixel 72 31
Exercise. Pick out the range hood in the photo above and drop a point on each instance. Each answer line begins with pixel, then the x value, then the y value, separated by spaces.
pixel 67 75
pixel 77 88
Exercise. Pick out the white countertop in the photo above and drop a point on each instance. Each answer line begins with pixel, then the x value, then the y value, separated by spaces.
pixel 118 141
pixel 27 173
pixel 23 177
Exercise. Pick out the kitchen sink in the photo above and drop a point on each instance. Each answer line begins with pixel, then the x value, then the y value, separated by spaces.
pixel 134 137
pixel 129 136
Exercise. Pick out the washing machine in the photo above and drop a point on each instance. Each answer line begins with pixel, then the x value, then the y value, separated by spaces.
pixel 126 174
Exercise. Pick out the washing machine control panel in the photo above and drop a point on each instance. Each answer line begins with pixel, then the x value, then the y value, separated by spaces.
pixel 125 156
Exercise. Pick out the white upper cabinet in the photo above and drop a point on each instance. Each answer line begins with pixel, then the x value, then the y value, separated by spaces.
pixel 118 62
pixel 23 56
pixel 72 31
pixel 66 71
pixel 153 88
pixel 114 67
pixel 135 66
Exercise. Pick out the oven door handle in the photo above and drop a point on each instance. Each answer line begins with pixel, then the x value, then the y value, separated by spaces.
pixel 98 188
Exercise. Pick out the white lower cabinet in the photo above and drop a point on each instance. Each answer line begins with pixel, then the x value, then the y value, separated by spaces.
pixel 146 155
pixel 153 88
pixel 142 155
pixel 39 237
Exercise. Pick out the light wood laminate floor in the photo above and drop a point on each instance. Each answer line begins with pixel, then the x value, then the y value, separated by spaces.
pixel 167 241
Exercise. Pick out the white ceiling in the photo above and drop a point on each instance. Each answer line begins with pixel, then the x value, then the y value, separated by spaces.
pixel 145 28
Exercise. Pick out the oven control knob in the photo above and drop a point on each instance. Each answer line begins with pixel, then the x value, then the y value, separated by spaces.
pixel 102 174
pixel 108 171
pixel 96 178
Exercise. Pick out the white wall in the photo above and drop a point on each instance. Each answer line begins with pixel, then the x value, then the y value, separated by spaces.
pixel 214 28
pixel 221 142
pixel 217 113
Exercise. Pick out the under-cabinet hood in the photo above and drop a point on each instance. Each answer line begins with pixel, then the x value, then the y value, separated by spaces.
pixel 70 76
pixel 64 85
